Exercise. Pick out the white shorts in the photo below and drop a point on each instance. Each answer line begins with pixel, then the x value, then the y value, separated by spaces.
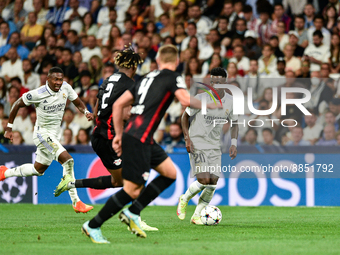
pixel 206 161
pixel 48 147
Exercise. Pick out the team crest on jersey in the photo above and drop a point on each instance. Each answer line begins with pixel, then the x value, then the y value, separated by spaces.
pixel 146 176
pixel 227 111
pixel 29 96
pixel 117 162
pixel 64 96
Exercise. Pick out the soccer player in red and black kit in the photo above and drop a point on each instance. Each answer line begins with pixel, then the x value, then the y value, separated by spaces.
pixel 150 98
pixel 112 88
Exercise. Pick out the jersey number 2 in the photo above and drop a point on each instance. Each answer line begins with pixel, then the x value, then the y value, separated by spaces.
pixel 108 90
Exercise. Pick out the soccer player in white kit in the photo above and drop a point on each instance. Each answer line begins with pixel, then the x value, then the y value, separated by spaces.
pixel 50 101
pixel 203 144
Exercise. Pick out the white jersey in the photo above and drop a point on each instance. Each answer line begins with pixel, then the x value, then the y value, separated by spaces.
pixel 50 106
pixel 202 132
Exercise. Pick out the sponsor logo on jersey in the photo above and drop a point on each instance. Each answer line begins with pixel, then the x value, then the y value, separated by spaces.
pixel 54 108
pixel 146 176
pixel 29 96
pixel 117 162
pixel 45 102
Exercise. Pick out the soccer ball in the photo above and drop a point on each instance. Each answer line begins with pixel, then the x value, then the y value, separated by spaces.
pixel 211 215
pixel 13 189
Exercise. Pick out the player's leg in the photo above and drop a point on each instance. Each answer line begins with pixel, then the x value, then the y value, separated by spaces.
pixel 67 163
pixel 198 167
pixel 24 170
pixel 210 181
pixel 165 167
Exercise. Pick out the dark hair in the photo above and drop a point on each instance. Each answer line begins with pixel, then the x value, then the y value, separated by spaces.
pixel 68 50
pixel 192 23
pixel 218 71
pixel 300 16
pixel 268 130
pixel 55 69
pixel 92 21
pixel 278 4
pixel 318 16
pixel 4 88
pixel 318 33
pixel 4 22
pixel 74 32
pixel 247 8
pixel 128 58
pixel 252 129
pixel 16 78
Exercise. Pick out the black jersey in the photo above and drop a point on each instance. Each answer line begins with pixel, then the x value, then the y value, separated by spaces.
pixel 152 95
pixel 111 89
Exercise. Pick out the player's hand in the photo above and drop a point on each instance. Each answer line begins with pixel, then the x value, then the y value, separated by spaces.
pixel 89 116
pixel 189 145
pixel 117 145
pixel 8 133
pixel 232 151
pixel 214 106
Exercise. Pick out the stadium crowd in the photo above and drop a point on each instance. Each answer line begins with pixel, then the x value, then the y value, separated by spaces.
pixel 262 44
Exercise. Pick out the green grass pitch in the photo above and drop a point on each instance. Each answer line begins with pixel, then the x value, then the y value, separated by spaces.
pixel 55 229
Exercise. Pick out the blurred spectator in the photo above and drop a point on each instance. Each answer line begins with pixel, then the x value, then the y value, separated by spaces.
pixel 250 18
pixel 194 68
pixel 31 32
pixel 329 136
pixel 334 107
pixel 83 137
pixel 173 112
pixel 67 137
pixel 4 123
pixel 241 61
pixel 252 80
pixel 301 32
pixel 15 42
pixel 250 137
pixel 268 138
pixel 252 50
pixel 305 74
pixel 13 66
pixel 4 30
pixel 282 36
pixel 208 49
pixel 179 35
pixel 17 138
pixel 175 137
pixel 30 79
pixel 274 42
pixel 103 15
pixel 73 42
pixel 180 12
pixel 280 16
pixel 318 25
pixel 280 71
pixel 309 14
pixel 228 11
pixel 240 27
pixel 67 65
pixel 22 122
pixel 27 135
pixel 85 84
pixel 133 15
pixel 89 26
pixel 331 17
pixel 68 122
pixel 56 15
pixel 18 15
pixel 75 15
pixel 3 90
pixel 95 68
pixel 324 72
pixel 215 61
pixel 94 9
pixel 77 58
pixel 192 31
pixel 193 46
pixel 312 130
pixel 45 35
pixel 297 134
pixel 264 29
pixel 317 52
pixel 40 12
pixel 104 31
pixel 91 49
pixel 334 59
pixel 293 41
pixel 232 72
pixel 267 62
pixel 292 62
pixel 203 23
pixel 16 82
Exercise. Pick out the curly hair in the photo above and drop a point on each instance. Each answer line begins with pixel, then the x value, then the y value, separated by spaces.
pixel 128 58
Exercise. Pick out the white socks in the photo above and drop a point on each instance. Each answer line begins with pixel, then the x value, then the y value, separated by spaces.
pixel 68 169
pixel 194 189
pixel 205 198
pixel 22 171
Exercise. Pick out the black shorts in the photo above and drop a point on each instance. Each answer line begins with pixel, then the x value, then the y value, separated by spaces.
pixel 103 148
pixel 139 158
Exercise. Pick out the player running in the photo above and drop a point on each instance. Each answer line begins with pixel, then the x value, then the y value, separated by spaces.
pixel 111 89
pixel 202 141
pixel 50 101
pixel 151 97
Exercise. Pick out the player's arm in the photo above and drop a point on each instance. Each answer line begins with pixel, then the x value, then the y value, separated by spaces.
pixel 122 102
pixel 234 135
pixel 82 108
pixel 185 128
pixel 189 101
pixel 95 109
pixel 13 113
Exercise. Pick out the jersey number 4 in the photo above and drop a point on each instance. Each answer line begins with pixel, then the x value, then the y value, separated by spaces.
pixel 143 88
pixel 108 91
